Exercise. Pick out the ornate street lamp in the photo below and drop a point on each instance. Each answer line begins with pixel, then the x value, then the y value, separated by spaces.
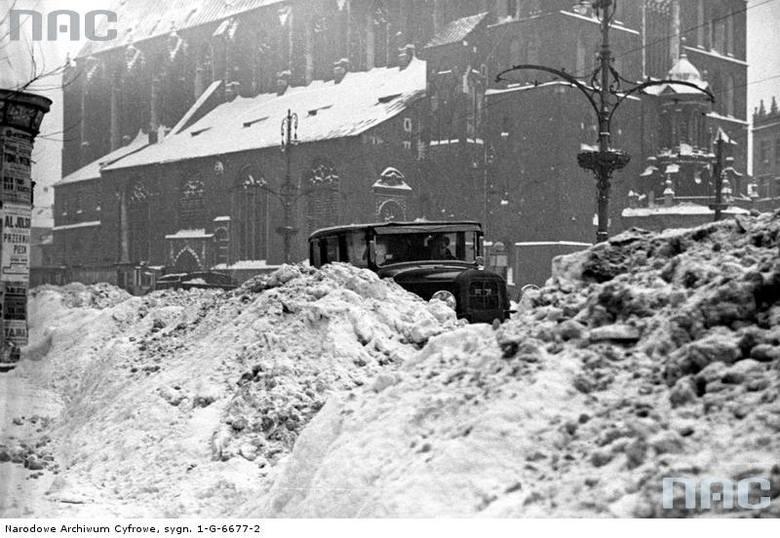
pixel 605 93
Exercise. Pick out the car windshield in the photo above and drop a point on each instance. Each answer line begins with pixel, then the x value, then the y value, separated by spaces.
pixel 399 248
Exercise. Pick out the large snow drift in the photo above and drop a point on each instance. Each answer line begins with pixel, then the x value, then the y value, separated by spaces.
pixel 181 403
pixel 646 357
pixel 332 393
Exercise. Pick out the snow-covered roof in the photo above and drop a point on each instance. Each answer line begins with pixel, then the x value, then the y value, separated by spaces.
pixel 144 19
pixel 326 110
pixel 684 71
pixel 457 30
pixel 92 170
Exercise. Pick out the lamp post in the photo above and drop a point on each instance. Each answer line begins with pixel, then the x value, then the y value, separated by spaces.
pixel 717 173
pixel 289 191
pixel 603 89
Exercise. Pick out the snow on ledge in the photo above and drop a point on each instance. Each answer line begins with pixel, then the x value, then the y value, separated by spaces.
pixel 199 233
pixel 682 209
pixel 89 224
pixel 245 264
pixel 553 243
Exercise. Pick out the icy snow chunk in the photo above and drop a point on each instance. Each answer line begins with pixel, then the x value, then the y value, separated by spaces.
pixel 282 276
pixel 441 311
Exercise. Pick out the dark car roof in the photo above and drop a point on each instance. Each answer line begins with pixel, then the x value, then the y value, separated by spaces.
pixel 423 226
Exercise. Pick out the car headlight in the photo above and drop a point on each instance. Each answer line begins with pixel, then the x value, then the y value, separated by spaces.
pixel 446 297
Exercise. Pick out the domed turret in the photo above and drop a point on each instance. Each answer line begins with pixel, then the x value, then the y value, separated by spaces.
pixel 685 71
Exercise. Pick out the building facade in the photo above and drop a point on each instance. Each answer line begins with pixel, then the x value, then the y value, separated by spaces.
pixel 206 87
pixel 766 150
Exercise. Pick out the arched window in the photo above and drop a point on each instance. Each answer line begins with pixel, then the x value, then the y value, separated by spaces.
pixel 719 30
pixel 516 52
pixel 192 208
pixel 730 34
pixel 381 36
pixel 324 200
pixel 139 215
pixel 582 67
pixel 728 95
pixel 534 44
pixel 250 215
pixel 391 210
pixel 700 25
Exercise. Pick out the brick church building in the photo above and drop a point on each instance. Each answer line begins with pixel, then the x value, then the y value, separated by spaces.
pixel 173 147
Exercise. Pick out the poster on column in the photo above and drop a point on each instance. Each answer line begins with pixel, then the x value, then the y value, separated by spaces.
pixel 15 270
pixel 15 171
pixel 15 247
pixel 15 312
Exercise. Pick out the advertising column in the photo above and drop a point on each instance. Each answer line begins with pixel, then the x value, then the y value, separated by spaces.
pixel 20 118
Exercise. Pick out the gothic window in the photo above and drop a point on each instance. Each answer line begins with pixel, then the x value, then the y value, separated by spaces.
pixel 324 200
pixel 719 31
pixel 728 95
pixel 763 153
pixel 382 36
pixel 582 67
pixel 206 64
pixel 250 215
pixel 192 208
pixel 139 215
pixel 700 24
pixel 516 51
pixel 730 35
pixel 533 48
pixel 527 8
pixel 717 85
pixel 391 210
pixel 474 117
pixel 222 239
pixel 777 151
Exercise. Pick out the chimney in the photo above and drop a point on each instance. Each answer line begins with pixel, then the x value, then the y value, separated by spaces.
pixel 231 91
pixel 340 69
pixel 405 56
pixel 282 82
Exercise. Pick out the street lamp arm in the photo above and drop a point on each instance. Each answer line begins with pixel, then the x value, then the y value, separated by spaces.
pixel 269 190
pixel 587 91
pixel 647 84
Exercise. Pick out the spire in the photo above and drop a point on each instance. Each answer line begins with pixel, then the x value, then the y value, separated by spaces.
pixel 773 108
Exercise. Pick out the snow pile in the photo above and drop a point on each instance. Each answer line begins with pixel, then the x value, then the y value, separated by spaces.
pixel 646 357
pixel 332 393
pixel 183 402
pixel 77 295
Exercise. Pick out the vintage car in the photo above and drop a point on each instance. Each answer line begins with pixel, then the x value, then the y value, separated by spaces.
pixel 430 259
